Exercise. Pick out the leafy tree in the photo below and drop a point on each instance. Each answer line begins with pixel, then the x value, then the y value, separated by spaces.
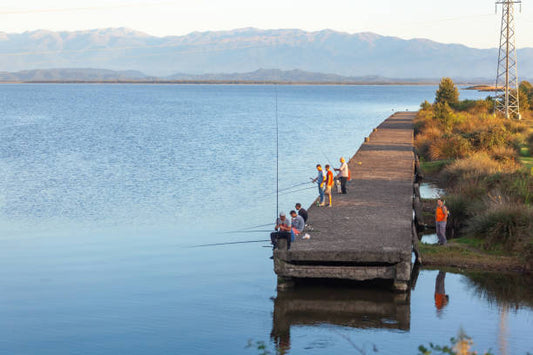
pixel 425 105
pixel 525 95
pixel 524 101
pixel 444 114
pixel 447 92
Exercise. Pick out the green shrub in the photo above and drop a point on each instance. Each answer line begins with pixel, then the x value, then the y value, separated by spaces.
pixel 494 136
pixel 529 141
pixel 447 92
pixel 450 147
pixel 473 167
pixel 503 223
pixel 474 106
pixel 460 207
pixel 517 186
pixel 425 140
pixel 503 154
pixel 425 105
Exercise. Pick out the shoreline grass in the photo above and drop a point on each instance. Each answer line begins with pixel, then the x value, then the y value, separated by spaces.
pixel 484 163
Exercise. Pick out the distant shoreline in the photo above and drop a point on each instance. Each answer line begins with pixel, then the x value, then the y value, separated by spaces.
pixel 225 82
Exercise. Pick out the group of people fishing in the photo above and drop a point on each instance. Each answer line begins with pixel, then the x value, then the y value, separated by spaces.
pixel 325 181
pixel 289 229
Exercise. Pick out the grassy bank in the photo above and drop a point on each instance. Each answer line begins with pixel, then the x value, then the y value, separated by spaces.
pixel 484 163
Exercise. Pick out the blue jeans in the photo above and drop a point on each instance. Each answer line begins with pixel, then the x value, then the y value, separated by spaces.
pixel 321 193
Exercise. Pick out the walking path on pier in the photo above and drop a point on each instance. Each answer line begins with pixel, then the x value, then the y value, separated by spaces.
pixel 367 233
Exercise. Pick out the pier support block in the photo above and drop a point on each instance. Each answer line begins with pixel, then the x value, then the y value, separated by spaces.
pixel 285 283
pixel 403 275
pixel 400 286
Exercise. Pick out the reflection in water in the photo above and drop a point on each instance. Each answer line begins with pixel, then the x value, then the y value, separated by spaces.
pixel 357 308
pixel 502 335
pixel 510 290
pixel 441 298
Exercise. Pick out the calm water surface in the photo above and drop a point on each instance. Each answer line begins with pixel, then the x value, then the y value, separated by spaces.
pixel 108 191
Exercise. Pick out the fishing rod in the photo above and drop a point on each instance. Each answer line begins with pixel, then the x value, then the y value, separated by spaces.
pixel 277 152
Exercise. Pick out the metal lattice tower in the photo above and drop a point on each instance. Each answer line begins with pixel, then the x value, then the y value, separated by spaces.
pixel 507 76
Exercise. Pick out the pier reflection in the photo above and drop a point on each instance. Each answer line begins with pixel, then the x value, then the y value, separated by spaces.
pixel 357 308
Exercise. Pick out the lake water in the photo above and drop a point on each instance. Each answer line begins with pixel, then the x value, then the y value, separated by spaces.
pixel 109 194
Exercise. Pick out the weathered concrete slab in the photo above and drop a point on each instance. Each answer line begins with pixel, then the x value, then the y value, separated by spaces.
pixel 370 227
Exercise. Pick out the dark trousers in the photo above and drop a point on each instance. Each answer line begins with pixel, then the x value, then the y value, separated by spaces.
pixel 343 184
pixel 275 236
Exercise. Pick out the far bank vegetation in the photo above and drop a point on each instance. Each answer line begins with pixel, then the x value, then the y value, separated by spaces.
pixel 484 162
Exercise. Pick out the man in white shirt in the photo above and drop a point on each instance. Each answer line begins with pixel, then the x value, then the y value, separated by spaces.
pixel 343 174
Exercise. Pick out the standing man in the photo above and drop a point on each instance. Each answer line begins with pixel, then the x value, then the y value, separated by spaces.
pixel 283 231
pixel 320 179
pixel 301 211
pixel 329 183
pixel 343 174
pixel 441 217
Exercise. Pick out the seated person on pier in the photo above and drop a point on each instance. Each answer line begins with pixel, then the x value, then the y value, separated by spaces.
pixel 297 223
pixel 302 211
pixel 283 231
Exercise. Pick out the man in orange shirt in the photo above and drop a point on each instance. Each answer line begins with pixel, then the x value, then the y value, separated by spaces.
pixel 441 217
pixel 329 183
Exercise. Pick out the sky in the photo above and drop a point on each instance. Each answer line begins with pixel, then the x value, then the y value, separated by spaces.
pixel 470 22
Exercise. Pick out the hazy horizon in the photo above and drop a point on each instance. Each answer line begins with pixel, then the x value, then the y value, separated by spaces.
pixel 473 23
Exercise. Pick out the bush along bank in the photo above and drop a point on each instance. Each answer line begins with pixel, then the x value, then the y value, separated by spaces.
pixel 484 163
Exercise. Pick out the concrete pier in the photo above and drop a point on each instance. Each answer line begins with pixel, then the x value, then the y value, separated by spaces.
pixel 368 232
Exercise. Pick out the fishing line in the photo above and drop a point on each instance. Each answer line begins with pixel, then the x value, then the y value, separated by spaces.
pixel 229 243
pixel 321 150
pixel 305 188
pixel 295 185
pixel 250 231
pixel 254 227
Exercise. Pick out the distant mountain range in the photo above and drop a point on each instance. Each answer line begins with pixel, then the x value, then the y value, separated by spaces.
pixel 128 54
pixel 257 76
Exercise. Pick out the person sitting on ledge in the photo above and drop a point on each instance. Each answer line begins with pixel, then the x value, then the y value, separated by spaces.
pixel 301 211
pixel 283 231
pixel 298 224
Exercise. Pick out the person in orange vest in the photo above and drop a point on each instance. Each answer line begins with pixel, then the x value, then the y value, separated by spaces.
pixel 441 217
pixel 329 183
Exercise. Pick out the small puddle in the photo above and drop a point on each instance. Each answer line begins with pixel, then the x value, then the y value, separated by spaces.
pixel 430 191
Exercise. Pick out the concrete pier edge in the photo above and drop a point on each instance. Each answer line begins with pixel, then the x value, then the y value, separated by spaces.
pixel 368 233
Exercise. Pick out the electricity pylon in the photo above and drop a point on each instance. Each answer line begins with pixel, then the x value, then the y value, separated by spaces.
pixel 507 76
